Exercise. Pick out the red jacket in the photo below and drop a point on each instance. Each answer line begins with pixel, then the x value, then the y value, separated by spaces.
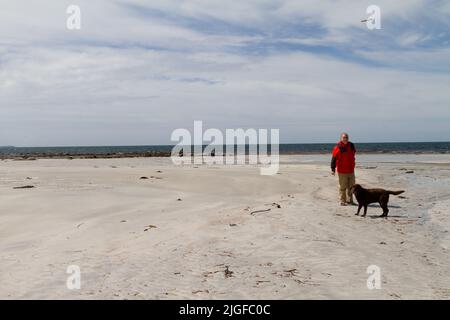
pixel 343 158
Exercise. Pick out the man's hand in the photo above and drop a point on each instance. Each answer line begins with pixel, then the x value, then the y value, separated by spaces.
pixel 333 173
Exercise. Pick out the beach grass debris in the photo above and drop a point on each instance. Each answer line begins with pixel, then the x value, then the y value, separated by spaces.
pixel 200 291
pixel 259 211
pixel 291 272
pixel 150 226
pixel 227 272
pixel 24 187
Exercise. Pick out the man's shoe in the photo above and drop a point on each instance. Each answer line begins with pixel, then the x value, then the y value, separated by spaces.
pixel 343 204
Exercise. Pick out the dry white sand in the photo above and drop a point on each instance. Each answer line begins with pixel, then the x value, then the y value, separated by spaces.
pixel 96 214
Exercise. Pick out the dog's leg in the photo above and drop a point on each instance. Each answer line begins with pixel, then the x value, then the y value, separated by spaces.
pixel 359 209
pixel 365 209
pixel 384 204
pixel 385 210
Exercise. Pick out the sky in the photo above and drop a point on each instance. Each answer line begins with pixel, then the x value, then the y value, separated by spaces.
pixel 137 70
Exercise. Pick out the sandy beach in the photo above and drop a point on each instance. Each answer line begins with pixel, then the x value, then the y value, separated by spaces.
pixel 221 232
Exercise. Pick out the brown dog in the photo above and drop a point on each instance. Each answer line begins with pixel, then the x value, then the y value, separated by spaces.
pixel 368 196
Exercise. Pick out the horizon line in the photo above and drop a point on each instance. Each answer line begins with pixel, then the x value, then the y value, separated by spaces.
pixel 165 145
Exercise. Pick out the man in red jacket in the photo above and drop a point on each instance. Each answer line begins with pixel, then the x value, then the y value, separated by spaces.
pixel 343 161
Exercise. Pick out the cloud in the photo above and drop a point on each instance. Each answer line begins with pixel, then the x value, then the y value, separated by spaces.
pixel 139 69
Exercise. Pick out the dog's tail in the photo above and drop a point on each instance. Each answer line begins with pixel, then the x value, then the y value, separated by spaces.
pixel 396 193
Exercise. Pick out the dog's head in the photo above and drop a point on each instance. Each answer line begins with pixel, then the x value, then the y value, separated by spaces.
pixel 355 188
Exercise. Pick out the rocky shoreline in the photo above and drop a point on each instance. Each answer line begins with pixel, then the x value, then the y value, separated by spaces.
pixel 70 156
